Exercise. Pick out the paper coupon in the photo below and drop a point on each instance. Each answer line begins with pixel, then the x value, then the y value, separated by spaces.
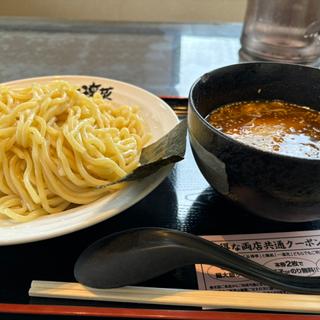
pixel 296 253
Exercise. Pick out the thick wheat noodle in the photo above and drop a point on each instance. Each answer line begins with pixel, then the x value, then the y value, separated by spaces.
pixel 58 146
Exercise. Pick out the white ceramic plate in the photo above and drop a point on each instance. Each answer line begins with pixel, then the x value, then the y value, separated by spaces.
pixel 160 119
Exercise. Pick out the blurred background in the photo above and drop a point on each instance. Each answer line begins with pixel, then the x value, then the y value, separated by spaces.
pixel 201 11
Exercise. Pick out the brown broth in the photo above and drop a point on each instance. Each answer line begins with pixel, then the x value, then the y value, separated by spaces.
pixel 275 126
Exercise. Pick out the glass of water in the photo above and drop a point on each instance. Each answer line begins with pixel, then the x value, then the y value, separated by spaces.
pixel 282 30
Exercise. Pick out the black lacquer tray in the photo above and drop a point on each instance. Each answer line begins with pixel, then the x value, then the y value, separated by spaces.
pixel 183 201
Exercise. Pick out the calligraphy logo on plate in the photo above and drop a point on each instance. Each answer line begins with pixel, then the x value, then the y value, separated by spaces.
pixel 90 90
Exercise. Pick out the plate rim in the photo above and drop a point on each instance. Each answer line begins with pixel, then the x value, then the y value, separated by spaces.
pixel 73 76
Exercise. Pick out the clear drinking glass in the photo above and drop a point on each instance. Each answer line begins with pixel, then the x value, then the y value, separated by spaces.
pixel 282 30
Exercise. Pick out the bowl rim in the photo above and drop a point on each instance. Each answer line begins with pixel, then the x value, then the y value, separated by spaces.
pixel 230 139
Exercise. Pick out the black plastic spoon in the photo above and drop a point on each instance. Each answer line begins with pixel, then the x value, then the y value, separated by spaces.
pixel 137 255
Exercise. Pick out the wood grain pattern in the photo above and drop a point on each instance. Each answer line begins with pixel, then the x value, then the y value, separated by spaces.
pixel 145 313
pixel 180 297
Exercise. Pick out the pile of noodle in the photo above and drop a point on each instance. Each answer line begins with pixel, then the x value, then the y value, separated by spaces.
pixel 58 146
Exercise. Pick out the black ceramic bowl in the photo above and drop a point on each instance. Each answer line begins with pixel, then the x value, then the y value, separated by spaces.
pixel 275 186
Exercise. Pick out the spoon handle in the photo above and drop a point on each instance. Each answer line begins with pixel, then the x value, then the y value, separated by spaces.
pixel 233 262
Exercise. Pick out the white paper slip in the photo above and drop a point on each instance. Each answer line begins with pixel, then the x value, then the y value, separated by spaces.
pixel 296 253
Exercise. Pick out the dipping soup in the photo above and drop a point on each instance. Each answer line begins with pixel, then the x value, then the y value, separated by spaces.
pixel 275 126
